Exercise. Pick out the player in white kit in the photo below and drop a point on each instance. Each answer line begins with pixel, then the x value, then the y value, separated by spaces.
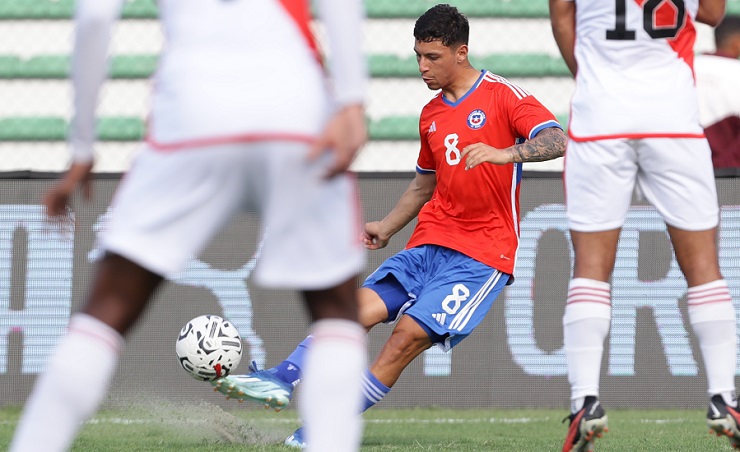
pixel 635 120
pixel 242 118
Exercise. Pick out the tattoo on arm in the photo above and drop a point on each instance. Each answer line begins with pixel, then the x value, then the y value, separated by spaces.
pixel 547 145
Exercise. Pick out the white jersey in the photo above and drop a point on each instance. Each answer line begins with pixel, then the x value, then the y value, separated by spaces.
pixel 635 70
pixel 231 71
pixel 220 78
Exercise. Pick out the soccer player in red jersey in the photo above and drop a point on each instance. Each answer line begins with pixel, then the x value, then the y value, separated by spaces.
pixel 475 134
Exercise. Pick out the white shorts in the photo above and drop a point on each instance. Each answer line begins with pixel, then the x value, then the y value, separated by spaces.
pixel 170 205
pixel 674 175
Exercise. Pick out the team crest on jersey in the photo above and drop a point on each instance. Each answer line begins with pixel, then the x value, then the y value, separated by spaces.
pixel 476 119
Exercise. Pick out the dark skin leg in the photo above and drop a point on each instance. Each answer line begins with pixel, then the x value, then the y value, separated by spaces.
pixel 338 302
pixel 120 292
pixel 696 253
pixel 122 289
pixel 408 340
pixel 594 254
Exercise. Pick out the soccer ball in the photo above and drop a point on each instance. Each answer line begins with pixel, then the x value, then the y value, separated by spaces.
pixel 209 347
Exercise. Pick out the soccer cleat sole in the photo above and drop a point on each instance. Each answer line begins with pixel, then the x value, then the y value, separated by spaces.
pixel 232 391
pixel 725 427
pixel 590 431
pixel 294 444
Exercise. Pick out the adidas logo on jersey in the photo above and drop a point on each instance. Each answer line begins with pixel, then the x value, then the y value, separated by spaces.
pixel 440 318
pixel 433 127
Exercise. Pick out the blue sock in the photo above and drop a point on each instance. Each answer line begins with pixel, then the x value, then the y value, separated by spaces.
pixel 373 390
pixel 289 370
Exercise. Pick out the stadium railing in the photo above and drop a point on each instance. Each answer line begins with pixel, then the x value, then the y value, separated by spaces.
pixel 376 9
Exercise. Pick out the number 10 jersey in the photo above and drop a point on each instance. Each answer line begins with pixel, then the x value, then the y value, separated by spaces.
pixel 635 70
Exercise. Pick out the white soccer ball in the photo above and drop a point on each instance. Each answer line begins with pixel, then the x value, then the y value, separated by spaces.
pixel 209 347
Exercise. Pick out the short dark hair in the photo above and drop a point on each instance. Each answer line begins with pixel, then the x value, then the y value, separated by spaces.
pixel 442 22
pixel 729 26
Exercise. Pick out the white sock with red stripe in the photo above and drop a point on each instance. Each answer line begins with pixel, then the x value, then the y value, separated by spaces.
pixel 712 317
pixel 331 392
pixel 585 327
pixel 71 388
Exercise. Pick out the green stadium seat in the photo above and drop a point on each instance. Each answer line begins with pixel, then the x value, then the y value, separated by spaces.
pixel 130 129
pixel 381 66
pixel 33 129
pixel 133 66
pixel 388 9
pixel 58 67
pixel 522 65
pixel 121 129
pixel 394 128
pixel 63 9
pixel 44 128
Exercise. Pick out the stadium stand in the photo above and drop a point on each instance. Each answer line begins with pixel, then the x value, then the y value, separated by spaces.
pixel 509 37
pixel 376 9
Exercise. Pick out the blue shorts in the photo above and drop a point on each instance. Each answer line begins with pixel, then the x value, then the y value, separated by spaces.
pixel 445 291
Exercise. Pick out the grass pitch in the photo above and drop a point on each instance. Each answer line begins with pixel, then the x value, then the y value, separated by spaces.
pixel 162 426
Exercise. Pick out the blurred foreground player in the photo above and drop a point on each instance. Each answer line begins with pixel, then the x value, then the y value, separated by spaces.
pixel 232 128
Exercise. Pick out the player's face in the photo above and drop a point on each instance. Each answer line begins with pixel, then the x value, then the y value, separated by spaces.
pixel 437 63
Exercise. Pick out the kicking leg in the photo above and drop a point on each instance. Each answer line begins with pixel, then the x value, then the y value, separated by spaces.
pixel 407 341
pixel 273 388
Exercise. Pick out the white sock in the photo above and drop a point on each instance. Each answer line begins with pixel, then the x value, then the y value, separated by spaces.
pixel 585 327
pixel 71 388
pixel 331 394
pixel 712 317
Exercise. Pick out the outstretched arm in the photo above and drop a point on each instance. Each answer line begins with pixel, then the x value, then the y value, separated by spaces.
pixel 346 132
pixel 378 233
pixel 563 22
pixel 547 145
pixel 94 20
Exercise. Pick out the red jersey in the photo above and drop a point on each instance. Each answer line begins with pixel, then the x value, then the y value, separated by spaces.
pixel 476 212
